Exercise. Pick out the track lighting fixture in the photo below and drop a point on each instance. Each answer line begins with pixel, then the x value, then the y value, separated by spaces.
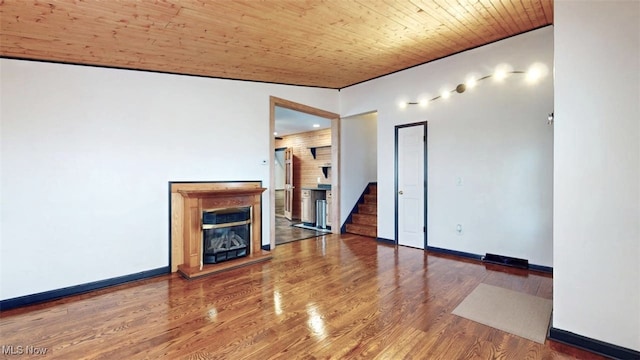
pixel 533 74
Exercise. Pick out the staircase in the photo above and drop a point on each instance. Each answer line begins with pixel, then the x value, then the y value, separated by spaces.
pixel 364 217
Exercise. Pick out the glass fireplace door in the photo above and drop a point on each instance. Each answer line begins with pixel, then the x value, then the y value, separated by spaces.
pixel 226 234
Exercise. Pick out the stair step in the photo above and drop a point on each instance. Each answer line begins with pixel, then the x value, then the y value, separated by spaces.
pixel 371 198
pixel 365 219
pixel 367 208
pixel 373 189
pixel 364 230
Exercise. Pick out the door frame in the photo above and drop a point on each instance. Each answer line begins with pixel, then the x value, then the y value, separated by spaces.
pixel 335 160
pixel 396 128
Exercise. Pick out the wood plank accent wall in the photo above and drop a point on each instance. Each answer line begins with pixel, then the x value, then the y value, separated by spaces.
pixel 306 169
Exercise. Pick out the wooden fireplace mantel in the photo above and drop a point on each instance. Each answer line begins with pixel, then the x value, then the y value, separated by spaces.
pixel 221 192
pixel 188 201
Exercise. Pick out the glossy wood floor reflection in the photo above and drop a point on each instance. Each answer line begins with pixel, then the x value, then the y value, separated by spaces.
pixel 336 296
pixel 286 232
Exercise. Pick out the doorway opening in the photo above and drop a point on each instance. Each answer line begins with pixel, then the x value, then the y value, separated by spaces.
pixel 319 151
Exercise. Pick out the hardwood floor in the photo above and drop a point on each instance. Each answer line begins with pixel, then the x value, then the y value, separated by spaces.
pixel 286 233
pixel 336 296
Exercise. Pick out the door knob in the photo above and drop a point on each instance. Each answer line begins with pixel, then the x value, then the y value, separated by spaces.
pixel 400 192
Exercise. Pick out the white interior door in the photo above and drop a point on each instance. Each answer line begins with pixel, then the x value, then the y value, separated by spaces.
pixel 410 222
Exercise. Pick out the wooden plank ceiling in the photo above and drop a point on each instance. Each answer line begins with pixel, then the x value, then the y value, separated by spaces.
pixel 324 43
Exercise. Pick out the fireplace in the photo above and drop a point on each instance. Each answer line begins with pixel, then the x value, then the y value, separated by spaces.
pixel 226 234
pixel 213 222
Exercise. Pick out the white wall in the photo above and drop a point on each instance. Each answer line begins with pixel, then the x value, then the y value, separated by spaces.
pixel 358 163
pixel 597 170
pixel 87 154
pixel 494 137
